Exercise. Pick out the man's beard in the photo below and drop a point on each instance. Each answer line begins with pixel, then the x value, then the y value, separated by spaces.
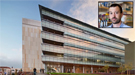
pixel 117 20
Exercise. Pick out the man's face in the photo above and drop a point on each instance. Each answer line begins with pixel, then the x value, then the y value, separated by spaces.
pixel 115 15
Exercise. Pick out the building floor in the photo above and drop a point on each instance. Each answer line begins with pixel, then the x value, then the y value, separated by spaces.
pixel 77 68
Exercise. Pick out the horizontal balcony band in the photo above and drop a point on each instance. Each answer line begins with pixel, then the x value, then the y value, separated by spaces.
pixel 97 57
pixel 52 42
pixel 91 40
pixel 95 32
pixel 45 17
pixel 63 49
pixel 122 60
pixel 53 16
pixel 46 29
pixel 52 25
pixel 71 52
pixel 72 61
pixel 53 37
pixel 46 32
pixel 95 49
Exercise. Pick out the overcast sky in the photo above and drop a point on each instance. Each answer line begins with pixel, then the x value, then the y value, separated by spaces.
pixel 12 12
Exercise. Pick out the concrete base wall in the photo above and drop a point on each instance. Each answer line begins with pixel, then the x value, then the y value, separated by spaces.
pixel 130 54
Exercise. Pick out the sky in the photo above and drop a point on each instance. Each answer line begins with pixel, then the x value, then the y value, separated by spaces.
pixel 12 12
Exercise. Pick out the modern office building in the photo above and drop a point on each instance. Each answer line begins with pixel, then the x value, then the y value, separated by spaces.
pixel 72 46
pixel 64 44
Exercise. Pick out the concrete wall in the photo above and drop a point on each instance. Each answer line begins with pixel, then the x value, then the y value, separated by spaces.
pixel 130 54
pixel 31 45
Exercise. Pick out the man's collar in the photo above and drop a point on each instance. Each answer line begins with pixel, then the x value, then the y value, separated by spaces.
pixel 111 25
pixel 121 25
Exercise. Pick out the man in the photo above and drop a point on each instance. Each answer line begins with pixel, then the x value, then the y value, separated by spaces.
pixel 34 70
pixel 115 15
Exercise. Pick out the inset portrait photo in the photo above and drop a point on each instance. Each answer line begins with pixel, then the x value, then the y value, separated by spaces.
pixel 115 14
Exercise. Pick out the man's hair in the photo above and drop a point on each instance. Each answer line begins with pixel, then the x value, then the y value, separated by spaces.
pixel 114 5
